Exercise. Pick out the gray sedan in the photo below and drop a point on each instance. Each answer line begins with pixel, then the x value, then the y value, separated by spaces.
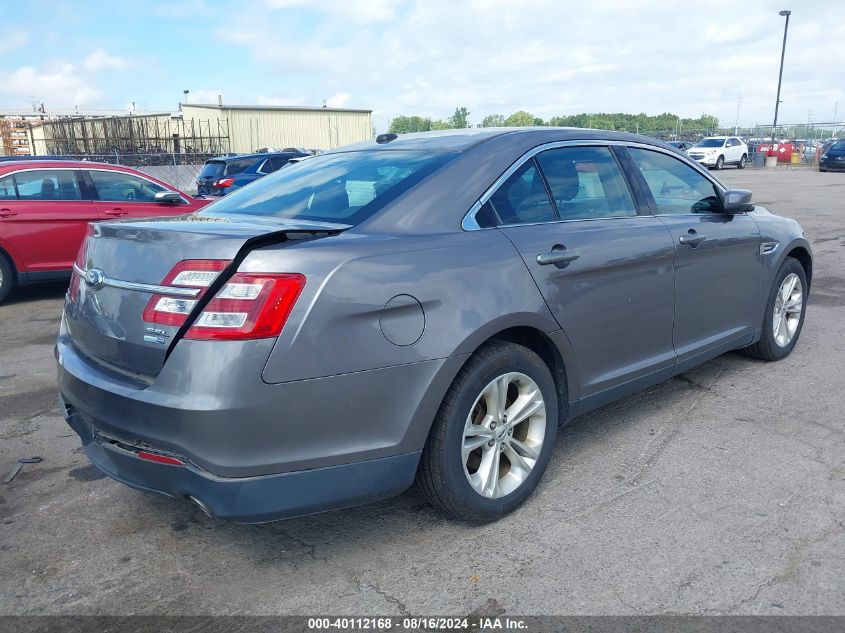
pixel 425 308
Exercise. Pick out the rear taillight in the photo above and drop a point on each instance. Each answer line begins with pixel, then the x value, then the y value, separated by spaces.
pixel 189 273
pixel 249 306
pixel 222 183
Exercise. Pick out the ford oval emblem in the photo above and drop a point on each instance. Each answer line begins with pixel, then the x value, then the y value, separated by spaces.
pixel 95 279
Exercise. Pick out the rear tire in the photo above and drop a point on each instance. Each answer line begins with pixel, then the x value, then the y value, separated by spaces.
pixel 466 468
pixel 7 276
pixel 784 316
pixel 720 162
pixel 742 161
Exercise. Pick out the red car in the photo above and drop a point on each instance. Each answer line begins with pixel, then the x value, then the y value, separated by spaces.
pixel 45 207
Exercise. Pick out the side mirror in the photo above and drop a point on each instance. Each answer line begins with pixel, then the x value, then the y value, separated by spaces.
pixel 168 197
pixel 737 201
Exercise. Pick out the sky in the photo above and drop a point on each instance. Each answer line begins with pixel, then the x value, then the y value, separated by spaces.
pixel 427 57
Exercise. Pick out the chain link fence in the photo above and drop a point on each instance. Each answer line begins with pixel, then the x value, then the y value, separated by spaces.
pixel 179 170
pixel 795 143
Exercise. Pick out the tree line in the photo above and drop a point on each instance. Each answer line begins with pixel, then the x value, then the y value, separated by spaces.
pixel 640 123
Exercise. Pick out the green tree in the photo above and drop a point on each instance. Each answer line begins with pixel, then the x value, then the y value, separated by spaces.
pixel 493 120
pixel 519 119
pixel 460 119
pixel 406 124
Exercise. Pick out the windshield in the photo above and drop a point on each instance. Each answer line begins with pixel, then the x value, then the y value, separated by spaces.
pixel 838 146
pixel 710 142
pixel 346 187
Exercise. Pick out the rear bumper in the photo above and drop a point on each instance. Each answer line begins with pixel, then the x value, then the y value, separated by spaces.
pixel 832 165
pixel 249 499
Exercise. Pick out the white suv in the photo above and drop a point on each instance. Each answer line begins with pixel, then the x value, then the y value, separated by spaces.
pixel 718 151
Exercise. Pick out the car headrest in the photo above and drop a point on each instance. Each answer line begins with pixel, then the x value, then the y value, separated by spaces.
pixel 48 188
pixel 562 176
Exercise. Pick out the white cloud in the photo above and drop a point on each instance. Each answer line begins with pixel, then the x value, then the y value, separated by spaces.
pixel 11 39
pixel 60 86
pixel 494 56
pixel 338 100
pixel 100 60
pixel 205 95
pixel 360 11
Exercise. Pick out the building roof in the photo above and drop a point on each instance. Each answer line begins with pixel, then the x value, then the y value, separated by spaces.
pixel 63 112
pixel 214 106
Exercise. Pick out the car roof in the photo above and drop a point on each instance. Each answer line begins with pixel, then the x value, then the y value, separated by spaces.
pixel 17 165
pixel 463 140
pixel 256 156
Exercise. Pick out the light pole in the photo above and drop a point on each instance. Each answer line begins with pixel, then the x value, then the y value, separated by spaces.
pixel 187 91
pixel 786 14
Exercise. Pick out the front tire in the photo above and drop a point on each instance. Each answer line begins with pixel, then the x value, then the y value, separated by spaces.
pixel 742 161
pixel 720 162
pixel 784 316
pixel 7 276
pixel 493 436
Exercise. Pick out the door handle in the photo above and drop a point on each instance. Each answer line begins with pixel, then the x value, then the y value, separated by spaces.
pixel 557 256
pixel 116 211
pixel 7 213
pixel 692 238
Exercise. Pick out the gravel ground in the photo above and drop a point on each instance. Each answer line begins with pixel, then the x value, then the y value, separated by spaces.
pixel 719 491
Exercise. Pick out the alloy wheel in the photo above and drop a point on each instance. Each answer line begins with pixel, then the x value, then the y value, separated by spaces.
pixel 786 315
pixel 503 435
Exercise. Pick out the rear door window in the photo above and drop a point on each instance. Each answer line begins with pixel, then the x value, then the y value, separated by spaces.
pixel 7 188
pixel 48 184
pixel 586 183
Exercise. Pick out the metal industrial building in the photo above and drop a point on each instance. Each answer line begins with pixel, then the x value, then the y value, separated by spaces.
pixel 253 127
pixel 203 129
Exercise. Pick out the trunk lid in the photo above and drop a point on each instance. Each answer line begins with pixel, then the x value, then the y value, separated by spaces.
pixel 106 324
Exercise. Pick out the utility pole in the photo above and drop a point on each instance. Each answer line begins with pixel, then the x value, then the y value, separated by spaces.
pixel 736 121
pixel 785 14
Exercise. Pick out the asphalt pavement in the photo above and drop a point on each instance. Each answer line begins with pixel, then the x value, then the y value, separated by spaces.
pixel 721 491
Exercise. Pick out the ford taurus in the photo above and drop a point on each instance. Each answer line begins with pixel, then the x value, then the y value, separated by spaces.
pixel 425 308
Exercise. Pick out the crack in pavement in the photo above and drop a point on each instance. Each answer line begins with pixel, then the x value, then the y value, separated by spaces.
pixel 789 571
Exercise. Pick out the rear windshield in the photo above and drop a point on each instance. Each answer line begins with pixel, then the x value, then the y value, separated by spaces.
pixel 711 142
pixel 346 188
pixel 213 169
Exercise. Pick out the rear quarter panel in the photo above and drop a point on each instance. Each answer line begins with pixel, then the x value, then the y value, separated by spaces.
pixel 470 286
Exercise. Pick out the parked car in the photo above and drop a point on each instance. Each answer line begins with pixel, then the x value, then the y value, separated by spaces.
pixel 45 208
pixel 425 307
pixel 29 158
pixel 226 174
pixel 718 151
pixel 681 146
pixel 833 157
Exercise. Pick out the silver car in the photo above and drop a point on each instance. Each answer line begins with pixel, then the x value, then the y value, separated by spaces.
pixel 426 308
